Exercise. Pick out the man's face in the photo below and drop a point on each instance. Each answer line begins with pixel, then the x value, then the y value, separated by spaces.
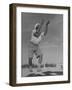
pixel 38 28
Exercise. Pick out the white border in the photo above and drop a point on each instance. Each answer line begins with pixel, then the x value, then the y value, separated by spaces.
pixel 20 79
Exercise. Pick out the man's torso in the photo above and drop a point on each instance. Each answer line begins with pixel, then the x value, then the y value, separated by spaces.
pixel 36 37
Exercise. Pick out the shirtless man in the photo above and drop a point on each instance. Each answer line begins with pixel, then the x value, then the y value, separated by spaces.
pixel 36 37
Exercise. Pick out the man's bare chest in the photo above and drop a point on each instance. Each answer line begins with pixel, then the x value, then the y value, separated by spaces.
pixel 37 34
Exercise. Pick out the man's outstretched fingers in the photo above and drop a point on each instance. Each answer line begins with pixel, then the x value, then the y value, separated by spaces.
pixel 48 22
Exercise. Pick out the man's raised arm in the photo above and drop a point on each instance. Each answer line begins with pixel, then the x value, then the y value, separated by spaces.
pixel 46 27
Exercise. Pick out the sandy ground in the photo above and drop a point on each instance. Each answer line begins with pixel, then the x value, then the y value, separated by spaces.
pixel 58 70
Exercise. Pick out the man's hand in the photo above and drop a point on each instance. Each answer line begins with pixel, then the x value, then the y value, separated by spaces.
pixel 46 28
pixel 48 22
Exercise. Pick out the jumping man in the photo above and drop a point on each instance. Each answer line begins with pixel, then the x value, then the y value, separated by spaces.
pixel 36 37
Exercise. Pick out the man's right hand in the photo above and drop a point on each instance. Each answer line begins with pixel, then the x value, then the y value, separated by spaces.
pixel 48 22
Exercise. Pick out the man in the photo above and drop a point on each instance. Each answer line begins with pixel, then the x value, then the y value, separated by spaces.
pixel 36 37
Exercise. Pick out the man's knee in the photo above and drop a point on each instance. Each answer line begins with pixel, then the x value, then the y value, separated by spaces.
pixel 40 58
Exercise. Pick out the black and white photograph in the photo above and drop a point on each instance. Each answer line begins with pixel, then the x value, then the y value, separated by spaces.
pixel 42 44
pixel 39 44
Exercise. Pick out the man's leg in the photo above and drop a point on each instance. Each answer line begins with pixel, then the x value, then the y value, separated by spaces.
pixel 40 57
pixel 30 56
pixel 30 63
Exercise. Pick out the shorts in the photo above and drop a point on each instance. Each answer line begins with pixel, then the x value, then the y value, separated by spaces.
pixel 34 49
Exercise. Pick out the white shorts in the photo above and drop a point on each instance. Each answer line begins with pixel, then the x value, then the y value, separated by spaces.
pixel 34 49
